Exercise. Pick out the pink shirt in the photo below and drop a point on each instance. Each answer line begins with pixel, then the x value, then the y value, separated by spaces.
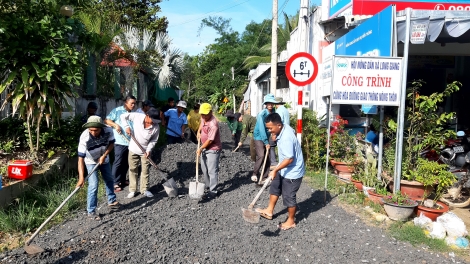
pixel 210 131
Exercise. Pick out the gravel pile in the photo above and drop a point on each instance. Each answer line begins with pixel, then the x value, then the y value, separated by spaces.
pixel 181 230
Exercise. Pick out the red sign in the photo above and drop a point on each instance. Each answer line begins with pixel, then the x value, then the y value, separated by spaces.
pixel 301 69
pixel 372 7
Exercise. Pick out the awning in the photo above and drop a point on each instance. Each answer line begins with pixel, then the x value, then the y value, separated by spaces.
pixel 443 27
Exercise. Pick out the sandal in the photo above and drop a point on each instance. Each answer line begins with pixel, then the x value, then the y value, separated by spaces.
pixel 94 217
pixel 114 205
pixel 264 215
pixel 284 228
pixel 117 188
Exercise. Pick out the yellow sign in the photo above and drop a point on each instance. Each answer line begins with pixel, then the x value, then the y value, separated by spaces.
pixel 225 100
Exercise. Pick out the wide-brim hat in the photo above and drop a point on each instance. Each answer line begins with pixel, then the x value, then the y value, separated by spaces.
pixel 269 98
pixel 94 121
pixel 229 113
pixel 181 104
pixel 279 100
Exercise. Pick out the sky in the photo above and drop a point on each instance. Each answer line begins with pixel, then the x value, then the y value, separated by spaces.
pixel 185 17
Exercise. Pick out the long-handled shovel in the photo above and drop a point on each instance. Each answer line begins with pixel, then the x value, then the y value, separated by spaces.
pixel 264 165
pixel 196 189
pixel 249 214
pixel 34 249
pixel 235 150
pixel 170 186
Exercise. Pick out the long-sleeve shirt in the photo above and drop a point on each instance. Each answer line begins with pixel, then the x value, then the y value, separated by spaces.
pixel 234 126
pixel 147 137
pixel 249 123
pixel 115 116
pixel 282 111
pixel 261 132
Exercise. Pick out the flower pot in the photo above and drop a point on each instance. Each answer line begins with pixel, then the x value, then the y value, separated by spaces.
pixel 432 213
pixel 399 212
pixel 374 197
pixel 333 162
pixel 344 167
pixel 344 175
pixel 415 190
pixel 358 184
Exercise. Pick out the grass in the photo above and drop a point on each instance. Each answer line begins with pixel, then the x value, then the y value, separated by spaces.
pixel 407 231
pixel 34 206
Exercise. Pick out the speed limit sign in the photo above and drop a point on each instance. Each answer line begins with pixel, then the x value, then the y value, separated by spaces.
pixel 301 69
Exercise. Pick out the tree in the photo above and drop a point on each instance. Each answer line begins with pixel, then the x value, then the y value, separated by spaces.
pixel 153 54
pixel 140 14
pixel 284 31
pixel 41 60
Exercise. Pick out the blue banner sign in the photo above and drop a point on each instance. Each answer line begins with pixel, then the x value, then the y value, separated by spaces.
pixel 373 38
pixel 338 6
pixel 369 109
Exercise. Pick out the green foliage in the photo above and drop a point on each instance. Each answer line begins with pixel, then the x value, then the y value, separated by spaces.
pixel 368 176
pixel 425 126
pixel 407 231
pixel 431 173
pixel 342 145
pixel 141 14
pixel 63 137
pixel 29 210
pixel 41 59
pixel 313 139
pixel 398 198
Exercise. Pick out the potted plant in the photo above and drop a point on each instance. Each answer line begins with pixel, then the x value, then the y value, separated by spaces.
pixel 343 151
pixel 434 175
pixel 424 130
pixel 399 206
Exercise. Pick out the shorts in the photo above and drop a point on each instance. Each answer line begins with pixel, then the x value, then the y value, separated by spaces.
pixel 287 188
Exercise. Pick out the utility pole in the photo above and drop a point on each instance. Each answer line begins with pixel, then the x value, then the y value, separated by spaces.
pixel 274 50
pixel 234 102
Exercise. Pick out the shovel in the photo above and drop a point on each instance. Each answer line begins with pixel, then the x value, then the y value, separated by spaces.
pixel 264 165
pixel 235 150
pixel 170 186
pixel 185 139
pixel 196 189
pixel 34 249
pixel 250 215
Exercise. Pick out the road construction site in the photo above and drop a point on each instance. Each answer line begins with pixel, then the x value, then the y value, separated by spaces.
pixel 183 230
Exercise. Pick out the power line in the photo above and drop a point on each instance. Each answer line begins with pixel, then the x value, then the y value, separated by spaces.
pixel 254 43
pixel 211 12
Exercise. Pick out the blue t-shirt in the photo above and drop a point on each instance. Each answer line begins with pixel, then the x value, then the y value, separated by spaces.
pixel 371 136
pixel 115 116
pixel 289 147
pixel 175 122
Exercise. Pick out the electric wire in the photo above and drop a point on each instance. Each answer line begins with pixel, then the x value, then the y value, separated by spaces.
pixel 239 68
pixel 205 14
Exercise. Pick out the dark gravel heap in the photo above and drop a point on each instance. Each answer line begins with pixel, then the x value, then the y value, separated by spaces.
pixel 181 230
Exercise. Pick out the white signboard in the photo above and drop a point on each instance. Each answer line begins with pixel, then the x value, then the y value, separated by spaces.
pixel 418 33
pixel 366 80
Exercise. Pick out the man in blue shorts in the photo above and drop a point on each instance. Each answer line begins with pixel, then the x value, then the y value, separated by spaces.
pixel 287 176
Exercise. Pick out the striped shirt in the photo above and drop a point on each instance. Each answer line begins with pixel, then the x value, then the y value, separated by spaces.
pixel 92 148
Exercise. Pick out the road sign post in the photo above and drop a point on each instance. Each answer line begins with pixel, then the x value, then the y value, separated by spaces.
pixel 301 70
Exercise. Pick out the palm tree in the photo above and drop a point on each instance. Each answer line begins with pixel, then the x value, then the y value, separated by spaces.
pixel 153 53
pixel 284 31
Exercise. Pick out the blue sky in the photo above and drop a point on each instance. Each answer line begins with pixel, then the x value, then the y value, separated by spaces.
pixel 185 17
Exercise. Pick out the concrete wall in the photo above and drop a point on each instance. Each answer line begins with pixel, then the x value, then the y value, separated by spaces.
pixel 15 189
